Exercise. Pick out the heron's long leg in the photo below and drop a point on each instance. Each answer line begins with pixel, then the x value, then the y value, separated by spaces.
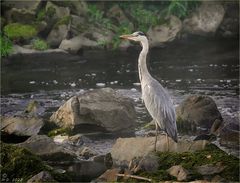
pixel 155 145
pixel 167 141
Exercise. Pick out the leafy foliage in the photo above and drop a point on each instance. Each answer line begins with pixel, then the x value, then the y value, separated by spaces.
pixel 180 8
pixel 5 45
pixel 39 44
pixel 17 31
pixel 97 16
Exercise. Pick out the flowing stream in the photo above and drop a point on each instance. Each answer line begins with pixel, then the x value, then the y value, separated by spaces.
pixel 192 66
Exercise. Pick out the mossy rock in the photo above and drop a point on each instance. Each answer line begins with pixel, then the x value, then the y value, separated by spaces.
pixel 19 164
pixel 16 31
pixel 190 160
pixel 63 21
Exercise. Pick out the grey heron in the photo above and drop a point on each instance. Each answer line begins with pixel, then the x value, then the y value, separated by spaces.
pixel 155 97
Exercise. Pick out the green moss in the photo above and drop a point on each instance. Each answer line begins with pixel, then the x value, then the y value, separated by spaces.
pixel 17 31
pixel 19 163
pixel 62 131
pixel 63 21
pixel 190 160
pixel 39 44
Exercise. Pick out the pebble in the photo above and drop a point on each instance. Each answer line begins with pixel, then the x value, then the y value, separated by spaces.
pixel 133 89
pixel 178 80
pixel 190 70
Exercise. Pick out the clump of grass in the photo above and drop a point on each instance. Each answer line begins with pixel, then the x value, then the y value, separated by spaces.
pixel 15 31
pixel 62 131
pixel 5 46
pixel 190 160
pixel 39 44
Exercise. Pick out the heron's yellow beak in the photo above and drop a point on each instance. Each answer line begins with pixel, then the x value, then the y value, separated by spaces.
pixel 127 36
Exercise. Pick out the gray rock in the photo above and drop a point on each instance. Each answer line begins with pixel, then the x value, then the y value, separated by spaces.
pixel 102 108
pixel 78 25
pixel 109 176
pixel 210 169
pixel 27 5
pixel 21 126
pixel 166 32
pixel 82 170
pixel 230 25
pixel 117 14
pixel 126 149
pixel 197 111
pixel 20 15
pixel 148 163
pixel 47 149
pixel 76 43
pixel 77 7
pixel 229 135
pixel 57 34
pixel 206 19
pixel 87 152
pixel 43 176
pixel 179 172
pixel 19 50
pixel 59 12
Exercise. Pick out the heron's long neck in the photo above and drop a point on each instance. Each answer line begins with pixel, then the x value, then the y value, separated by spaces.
pixel 142 65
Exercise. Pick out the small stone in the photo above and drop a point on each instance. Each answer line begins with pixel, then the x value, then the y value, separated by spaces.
pixel 87 153
pixel 179 172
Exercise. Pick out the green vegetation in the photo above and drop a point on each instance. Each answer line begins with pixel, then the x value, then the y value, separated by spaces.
pixel 96 17
pixel 63 21
pixel 19 164
pixel 50 11
pixel 41 15
pixel 16 31
pixel 5 45
pixel 190 160
pixel 39 44
pixel 180 8
pixel 62 131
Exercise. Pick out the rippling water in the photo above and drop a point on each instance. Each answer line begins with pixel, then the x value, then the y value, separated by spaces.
pixel 195 66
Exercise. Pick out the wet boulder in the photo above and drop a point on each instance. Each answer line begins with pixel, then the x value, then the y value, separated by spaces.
pixel 47 149
pixel 197 114
pixel 102 109
pixel 205 20
pixel 126 149
pixel 165 32
pixel 21 126
pixel 229 135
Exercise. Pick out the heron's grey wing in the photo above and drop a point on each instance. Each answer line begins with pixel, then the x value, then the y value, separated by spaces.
pixel 160 106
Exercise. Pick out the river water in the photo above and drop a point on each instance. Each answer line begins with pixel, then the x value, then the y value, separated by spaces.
pixel 191 66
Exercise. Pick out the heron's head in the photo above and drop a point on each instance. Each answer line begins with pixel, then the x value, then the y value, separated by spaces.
pixel 136 36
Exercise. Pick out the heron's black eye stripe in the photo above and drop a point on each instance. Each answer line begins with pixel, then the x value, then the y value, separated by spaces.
pixel 141 34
